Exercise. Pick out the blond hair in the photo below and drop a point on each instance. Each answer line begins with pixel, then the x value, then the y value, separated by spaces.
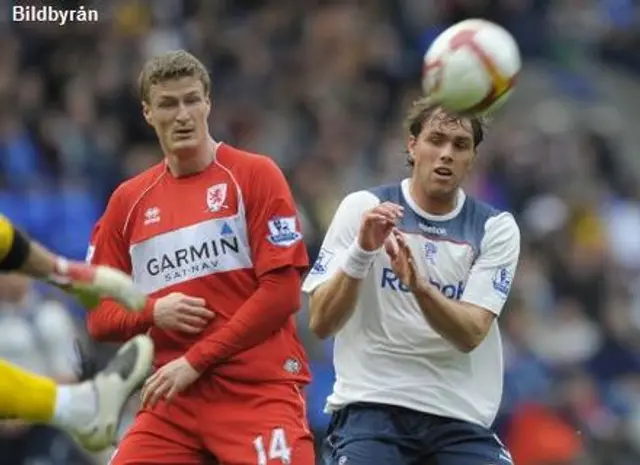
pixel 171 65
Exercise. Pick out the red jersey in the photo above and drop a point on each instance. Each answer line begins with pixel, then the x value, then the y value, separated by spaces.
pixel 209 235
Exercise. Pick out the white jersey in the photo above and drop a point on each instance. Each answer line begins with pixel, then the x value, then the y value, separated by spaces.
pixel 387 352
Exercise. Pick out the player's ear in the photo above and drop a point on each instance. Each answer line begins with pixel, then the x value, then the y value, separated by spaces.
pixel 411 143
pixel 146 112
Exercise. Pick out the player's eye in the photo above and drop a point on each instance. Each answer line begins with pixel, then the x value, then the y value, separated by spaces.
pixel 191 99
pixel 436 139
pixel 167 103
pixel 462 144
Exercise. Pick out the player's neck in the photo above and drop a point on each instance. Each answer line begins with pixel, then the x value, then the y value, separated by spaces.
pixel 181 166
pixel 433 205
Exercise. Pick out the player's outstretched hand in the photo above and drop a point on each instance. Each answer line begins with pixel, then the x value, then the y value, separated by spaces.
pixel 402 262
pixel 180 312
pixel 377 224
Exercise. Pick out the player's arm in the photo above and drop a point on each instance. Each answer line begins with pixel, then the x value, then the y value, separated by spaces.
pixel 109 321
pixel 334 293
pixel 466 323
pixel 19 253
pixel 14 247
pixel 279 255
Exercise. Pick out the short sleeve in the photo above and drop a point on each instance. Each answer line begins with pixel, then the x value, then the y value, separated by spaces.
pixel 275 233
pixel 340 235
pixel 492 274
pixel 107 245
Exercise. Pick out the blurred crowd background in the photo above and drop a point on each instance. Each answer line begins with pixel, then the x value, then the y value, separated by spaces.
pixel 322 86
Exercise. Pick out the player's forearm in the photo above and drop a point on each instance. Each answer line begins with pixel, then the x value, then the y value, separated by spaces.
pixel 19 253
pixel 40 263
pixel 332 304
pixel 260 317
pixel 451 319
pixel 109 322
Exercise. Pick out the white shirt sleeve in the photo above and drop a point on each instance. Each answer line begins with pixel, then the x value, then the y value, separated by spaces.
pixel 492 274
pixel 340 235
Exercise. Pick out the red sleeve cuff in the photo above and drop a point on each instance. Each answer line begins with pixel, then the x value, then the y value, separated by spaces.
pixel 146 315
pixel 196 359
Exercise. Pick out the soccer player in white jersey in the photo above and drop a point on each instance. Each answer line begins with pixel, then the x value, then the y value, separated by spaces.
pixel 410 280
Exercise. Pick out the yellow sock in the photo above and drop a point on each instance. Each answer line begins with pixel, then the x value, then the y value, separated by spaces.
pixel 26 396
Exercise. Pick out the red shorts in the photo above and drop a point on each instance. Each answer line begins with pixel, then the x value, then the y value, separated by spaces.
pixel 225 423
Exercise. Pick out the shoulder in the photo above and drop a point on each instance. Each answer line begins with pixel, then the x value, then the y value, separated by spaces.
pixel 485 223
pixel 503 226
pixel 247 163
pixel 359 201
pixel 387 192
pixel 128 191
pixel 499 226
pixel 476 208
pixel 486 216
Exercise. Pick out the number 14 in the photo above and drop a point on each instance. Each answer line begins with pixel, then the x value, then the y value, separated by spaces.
pixel 278 448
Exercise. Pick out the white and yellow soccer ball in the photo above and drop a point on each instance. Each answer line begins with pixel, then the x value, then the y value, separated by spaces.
pixel 471 67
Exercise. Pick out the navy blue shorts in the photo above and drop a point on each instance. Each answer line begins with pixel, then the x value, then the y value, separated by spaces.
pixel 377 434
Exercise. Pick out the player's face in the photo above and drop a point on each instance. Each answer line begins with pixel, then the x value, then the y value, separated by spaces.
pixel 443 153
pixel 178 110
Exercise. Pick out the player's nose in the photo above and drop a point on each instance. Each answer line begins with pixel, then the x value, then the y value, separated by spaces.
pixel 183 113
pixel 446 154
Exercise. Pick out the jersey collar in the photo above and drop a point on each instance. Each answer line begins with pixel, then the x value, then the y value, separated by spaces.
pixel 406 193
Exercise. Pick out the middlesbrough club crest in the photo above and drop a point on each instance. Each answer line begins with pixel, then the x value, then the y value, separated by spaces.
pixel 216 195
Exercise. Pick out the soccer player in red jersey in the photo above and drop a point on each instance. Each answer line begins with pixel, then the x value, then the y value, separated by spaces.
pixel 212 235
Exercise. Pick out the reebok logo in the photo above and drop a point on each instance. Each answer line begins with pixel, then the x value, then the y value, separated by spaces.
pixel 391 281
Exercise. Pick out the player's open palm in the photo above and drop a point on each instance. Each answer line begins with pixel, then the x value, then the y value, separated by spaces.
pixel 180 312
pixel 402 262
pixel 377 224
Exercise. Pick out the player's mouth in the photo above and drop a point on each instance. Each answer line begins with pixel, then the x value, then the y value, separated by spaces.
pixel 443 173
pixel 183 133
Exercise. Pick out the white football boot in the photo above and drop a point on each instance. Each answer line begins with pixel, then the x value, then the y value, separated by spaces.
pixel 123 375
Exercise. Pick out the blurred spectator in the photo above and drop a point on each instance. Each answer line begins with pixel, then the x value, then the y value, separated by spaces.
pixel 39 335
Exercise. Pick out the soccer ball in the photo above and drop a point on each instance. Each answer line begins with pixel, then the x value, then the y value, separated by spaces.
pixel 471 67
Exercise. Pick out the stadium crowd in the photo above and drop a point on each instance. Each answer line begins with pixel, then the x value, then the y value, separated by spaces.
pixel 322 87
